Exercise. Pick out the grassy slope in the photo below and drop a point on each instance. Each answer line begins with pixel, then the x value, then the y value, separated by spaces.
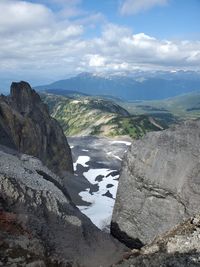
pixel 94 116
pixel 169 110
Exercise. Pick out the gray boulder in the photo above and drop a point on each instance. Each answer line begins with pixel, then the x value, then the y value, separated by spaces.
pixel 40 226
pixel 159 185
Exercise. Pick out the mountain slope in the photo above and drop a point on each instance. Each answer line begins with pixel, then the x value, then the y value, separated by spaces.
pixel 139 86
pixel 95 116
pixel 182 107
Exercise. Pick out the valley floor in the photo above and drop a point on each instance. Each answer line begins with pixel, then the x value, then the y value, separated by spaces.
pixel 98 160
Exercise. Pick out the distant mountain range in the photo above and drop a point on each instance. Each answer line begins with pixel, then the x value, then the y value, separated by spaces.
pixel 128 86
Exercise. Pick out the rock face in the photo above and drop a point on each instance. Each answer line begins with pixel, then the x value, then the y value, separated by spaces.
pixel 25 124
pixel 39 226
pixel 179 247
pixel 159 185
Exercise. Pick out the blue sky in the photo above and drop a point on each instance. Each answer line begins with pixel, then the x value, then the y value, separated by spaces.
pixel 172 19
pixel 47 40
pixel 175 19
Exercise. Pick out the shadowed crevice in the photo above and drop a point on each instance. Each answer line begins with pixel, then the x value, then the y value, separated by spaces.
pixel 50 179
pixel 132 243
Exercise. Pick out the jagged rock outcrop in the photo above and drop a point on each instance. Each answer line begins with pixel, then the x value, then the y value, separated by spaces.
pixel 159 185
pixel 25 124
pixel 180 247
pixel 39 226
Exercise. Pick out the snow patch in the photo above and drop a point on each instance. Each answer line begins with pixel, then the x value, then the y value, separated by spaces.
pixel 121 142
pixel 82 160
pixel 110 154
pixel 100 211
pixel 117 157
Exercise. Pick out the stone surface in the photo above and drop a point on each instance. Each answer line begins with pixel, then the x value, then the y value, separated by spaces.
pixel 179 247
pixel 25 124
pixel 159 185
pixel 40 226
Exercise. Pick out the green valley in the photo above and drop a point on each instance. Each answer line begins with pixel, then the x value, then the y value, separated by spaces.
pixel 167 111
pixel 82 115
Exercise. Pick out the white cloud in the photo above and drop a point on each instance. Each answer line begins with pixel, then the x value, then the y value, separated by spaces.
pixel 64 8
pixel 122 50
pixel 53 48
pixel 129 7
pixel 96 61
pixel 23 15
pixel 112 33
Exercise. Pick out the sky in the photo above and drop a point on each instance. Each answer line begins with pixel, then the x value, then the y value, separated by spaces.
pixel 42 41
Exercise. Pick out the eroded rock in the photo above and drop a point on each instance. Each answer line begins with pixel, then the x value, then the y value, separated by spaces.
pixel 25 124
pixel 179 247
pixel 159 185
pixel 40 226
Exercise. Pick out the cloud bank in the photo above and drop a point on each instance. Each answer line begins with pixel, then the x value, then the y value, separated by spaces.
pixel 38 46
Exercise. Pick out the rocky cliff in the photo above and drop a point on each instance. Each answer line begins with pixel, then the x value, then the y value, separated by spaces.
pixel 39 226
pixel 25 124
pixel 159 185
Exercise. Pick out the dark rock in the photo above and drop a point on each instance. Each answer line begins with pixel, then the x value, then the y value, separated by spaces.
pixel 99 178
pixel 124 238
pixel 109 185
pixel 94 188
pixel 24 99
pixel 114 173
pixel 5 138
pixel 80 169
pixel 25 124
pixel 76 184
pixel 159 185
pixel 108 194
pixel 40 226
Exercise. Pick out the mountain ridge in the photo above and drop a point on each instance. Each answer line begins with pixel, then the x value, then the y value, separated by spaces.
pixel 135 86
pixel 97 116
